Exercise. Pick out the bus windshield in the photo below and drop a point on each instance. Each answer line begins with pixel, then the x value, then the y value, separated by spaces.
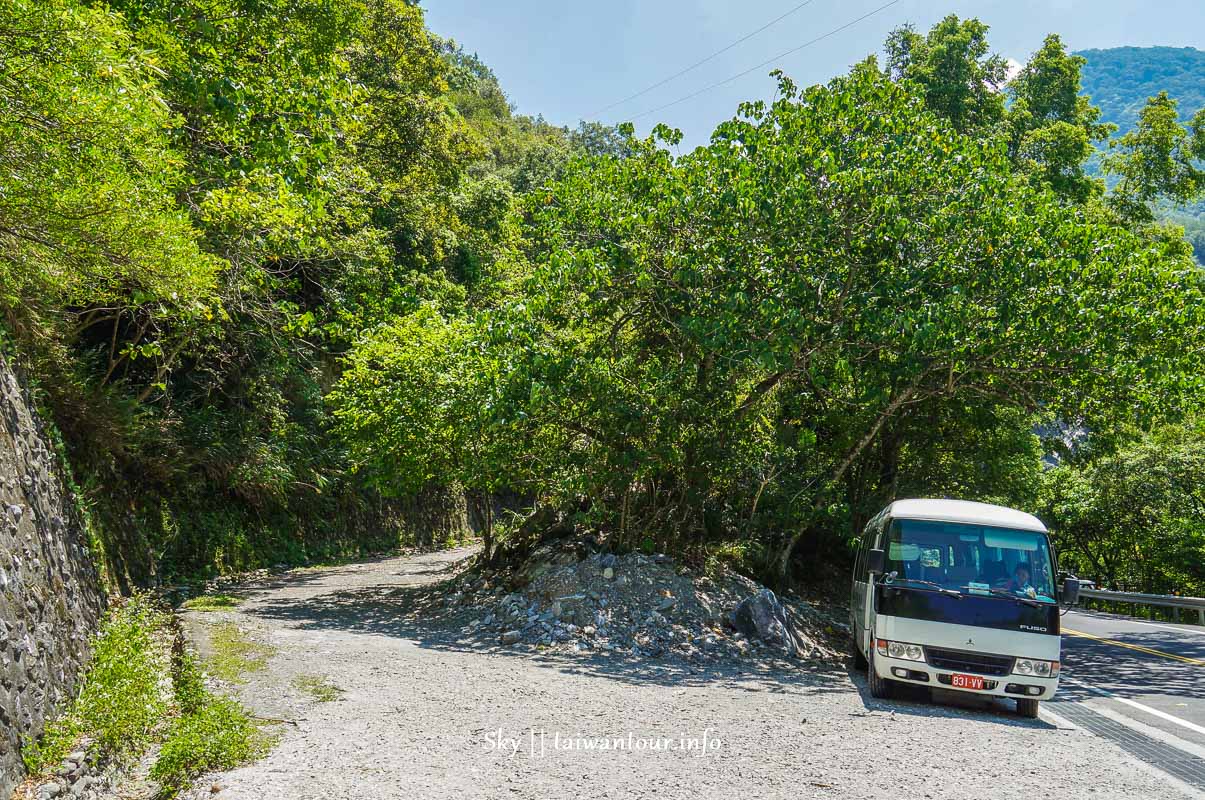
pixel 970 559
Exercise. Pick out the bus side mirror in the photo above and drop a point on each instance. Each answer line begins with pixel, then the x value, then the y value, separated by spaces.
pixel 1070 594
pixel 875 561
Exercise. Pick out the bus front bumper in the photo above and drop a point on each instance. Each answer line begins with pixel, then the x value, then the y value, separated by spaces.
pixel 921 673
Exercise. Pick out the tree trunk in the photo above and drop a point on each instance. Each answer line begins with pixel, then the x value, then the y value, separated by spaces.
pixel 784 556
pixel 487 530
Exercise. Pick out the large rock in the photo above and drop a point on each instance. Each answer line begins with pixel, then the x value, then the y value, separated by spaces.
pixel 761 616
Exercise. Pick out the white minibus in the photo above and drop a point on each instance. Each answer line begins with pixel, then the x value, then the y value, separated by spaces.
pixel 957 595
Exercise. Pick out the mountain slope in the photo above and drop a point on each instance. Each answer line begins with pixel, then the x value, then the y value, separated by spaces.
pixel 1120 79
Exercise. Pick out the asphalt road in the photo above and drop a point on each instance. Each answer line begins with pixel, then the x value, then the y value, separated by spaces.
pixel 1140 684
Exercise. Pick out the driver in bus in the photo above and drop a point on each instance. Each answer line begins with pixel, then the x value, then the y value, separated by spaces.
pixel 1020 581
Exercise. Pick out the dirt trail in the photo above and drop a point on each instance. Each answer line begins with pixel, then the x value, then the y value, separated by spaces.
pixel 427 713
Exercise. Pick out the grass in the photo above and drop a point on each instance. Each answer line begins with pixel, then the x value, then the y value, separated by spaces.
pixel 317 687
pixel 210 732
pixel 139 689
pixel 212 602
pixel 122 699
pixel 217 736
pixel 234 655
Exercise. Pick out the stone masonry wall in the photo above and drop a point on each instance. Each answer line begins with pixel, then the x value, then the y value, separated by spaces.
pixel 50 594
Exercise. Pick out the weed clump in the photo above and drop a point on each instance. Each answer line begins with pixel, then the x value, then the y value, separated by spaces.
pixel 122 698
pixel 142 688
pixel 211 602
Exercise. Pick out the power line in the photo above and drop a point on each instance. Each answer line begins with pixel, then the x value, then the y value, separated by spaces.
pixel 765 63
pixel 701 62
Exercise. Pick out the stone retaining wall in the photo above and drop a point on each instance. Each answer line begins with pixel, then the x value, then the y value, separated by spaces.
pixel 50 594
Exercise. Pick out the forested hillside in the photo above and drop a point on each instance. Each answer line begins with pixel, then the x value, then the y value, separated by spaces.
pixel 1121 79
pixel 295 281
pixel 202 207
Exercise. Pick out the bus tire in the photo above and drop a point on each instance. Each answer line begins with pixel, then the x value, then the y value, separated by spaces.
pixel 879 687
pixel 855 650
pixel 1027 707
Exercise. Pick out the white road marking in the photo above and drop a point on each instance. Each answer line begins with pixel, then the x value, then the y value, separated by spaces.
pixel 1198 632
pixel 1133 704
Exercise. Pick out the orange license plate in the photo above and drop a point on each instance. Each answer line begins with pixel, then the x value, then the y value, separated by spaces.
pixel 966 682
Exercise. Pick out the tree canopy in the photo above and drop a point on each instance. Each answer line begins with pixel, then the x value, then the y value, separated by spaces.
pixel 87 173
pixel 707 345
pixel 295 278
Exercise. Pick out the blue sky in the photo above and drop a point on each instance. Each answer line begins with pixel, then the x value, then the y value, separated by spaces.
pixel 567 60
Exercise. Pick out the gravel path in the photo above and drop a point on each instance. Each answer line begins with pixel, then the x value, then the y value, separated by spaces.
pixel 422 714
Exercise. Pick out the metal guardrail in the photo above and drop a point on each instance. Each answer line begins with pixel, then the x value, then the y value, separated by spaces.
pixel 1160 600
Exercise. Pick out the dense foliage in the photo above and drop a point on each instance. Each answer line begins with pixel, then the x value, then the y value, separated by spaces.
pixel 753 341
pixel 201 207
pixel 1133 518
pixel 294 280
pixel 87 212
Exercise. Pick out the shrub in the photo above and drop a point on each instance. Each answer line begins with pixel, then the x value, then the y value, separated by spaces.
pixel 219 735
pixel 122 697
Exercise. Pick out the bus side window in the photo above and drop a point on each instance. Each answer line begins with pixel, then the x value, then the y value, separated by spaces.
pixel 868 537
pixel 860 563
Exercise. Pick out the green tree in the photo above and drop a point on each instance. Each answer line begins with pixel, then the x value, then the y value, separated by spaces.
pixel 1053 127
pixel 419 405
pixel 954 70
pixel 1157 160
pixel 226 196
pixel 708 345
pixel 1135 518
pixel 87 179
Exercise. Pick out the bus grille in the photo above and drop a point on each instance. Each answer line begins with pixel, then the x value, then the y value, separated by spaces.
pixel 975 663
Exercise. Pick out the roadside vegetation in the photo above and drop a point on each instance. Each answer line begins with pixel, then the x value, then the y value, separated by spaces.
pixel 234 653
pixel 122 701
pixel 144 692
pixel 211 602
pixel 297 283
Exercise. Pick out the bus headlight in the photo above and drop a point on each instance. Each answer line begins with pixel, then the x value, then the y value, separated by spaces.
pixel 908 652
pixel 1036 667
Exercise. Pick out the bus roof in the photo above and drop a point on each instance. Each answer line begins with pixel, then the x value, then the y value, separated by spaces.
pixel 967 512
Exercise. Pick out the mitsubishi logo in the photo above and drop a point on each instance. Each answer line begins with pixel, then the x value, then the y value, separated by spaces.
pixel 971 642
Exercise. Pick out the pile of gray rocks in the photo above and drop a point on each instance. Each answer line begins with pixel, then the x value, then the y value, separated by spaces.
pixel 639 605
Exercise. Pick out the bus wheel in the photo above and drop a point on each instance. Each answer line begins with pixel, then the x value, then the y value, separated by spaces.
pixel 1027 707
pixel 856 651
pixel 879 687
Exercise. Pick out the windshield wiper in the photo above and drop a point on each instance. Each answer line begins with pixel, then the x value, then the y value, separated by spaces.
pixel 937 586
pixel 1029 601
